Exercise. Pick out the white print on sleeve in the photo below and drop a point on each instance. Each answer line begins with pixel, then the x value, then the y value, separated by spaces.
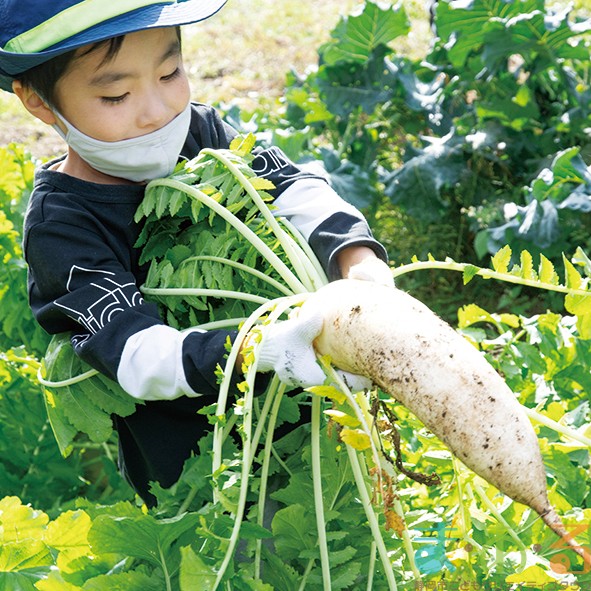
pixel 101 299
pixel 271 161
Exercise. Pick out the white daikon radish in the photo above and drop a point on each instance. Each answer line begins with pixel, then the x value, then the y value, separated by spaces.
pixel 416 357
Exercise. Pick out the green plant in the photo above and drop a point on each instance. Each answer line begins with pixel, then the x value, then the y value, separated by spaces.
pixel 457 139
pixel 31 465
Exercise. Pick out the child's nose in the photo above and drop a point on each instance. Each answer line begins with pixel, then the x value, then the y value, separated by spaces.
pixel 154 114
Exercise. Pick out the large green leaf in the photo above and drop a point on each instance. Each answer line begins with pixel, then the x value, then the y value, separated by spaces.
pixel 463 26
pixel 195 575
pixel 24 580
pixel 294 529
pixel 535 35
pixel 349 86
pixel 68 534
pixel 128 581
pixel 20 522
pixel 24 554
pixel 418 184
pixel 357 36
pixel 279 574
pixel 562 188
pixel 143 537
pixel 84 406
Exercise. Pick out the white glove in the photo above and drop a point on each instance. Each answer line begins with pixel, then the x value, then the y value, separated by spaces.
pixel 288 350
pixel 372 269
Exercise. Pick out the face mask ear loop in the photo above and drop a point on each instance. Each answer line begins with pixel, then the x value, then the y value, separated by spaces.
pixel 63 134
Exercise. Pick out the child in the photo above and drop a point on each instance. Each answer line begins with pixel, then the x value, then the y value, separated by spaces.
pixel 109 78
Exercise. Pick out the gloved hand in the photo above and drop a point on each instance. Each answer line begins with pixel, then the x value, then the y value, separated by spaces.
pixel 372 269
pixel 287 348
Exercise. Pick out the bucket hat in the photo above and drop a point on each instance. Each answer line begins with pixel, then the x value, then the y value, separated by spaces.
pixel 34 31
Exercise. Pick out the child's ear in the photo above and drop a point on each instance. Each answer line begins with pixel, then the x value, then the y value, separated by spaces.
pixel 34 103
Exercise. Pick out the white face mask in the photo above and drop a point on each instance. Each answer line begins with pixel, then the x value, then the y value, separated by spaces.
pixel 142 158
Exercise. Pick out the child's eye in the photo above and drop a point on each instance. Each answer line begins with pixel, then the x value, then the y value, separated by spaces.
pixel 172 75
pixel 114 100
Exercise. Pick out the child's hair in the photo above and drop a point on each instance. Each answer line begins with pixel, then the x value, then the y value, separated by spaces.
pixel 44 77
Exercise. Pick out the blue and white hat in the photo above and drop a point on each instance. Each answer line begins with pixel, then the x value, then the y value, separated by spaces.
pixel 34 31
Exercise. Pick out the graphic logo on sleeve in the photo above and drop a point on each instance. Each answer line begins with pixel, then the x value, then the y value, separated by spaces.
pixel 273 161
pixel 99 299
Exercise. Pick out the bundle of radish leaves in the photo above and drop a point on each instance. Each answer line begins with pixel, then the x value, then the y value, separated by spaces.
pixel 219 258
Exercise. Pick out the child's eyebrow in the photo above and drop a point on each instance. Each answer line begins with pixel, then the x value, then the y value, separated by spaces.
pixel 110 77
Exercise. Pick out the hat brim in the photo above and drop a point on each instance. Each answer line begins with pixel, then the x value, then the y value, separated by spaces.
pixel 148 17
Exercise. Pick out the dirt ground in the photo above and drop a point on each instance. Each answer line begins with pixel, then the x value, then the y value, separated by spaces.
pixel 239 56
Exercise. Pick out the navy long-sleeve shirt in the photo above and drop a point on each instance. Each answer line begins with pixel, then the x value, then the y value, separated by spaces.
pixel 84 277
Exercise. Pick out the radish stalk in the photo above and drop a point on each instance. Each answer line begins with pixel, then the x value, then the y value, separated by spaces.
pixel 562 429
pixel 279 390
pixel 273 282
pixel 371 518
pixel 318 497
pixel 319 274
pixel 493 510
pixel 65 383
pixel 372 566
pixel 192 291
pixel 282 236
pixel 306 574
pixel 287 275
pixel 276 308
pixel 486 274
pixel 360 406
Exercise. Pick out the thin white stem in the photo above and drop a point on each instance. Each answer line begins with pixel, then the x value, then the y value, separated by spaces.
pixel 275 392
pixel 306 575
pixel 264 210
pixel 65 383
pixel 244 476
pixel 318 496
pixel 242 267
pixel 372 566
pixel 194 291
pixel 497 515
pixel 355 406
pixel 397 505
pixel 278 306
pixel 361 408
pixel 271 397
pixel 310 254
pixel 538 417
pixel 214 324
pixel 486 274
pixel 407 541
pixel 165 570
pixel 371 518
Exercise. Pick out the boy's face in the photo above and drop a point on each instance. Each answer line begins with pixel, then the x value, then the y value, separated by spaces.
pixel 141 89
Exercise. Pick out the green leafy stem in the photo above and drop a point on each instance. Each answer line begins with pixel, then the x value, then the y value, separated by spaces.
pixel 577 301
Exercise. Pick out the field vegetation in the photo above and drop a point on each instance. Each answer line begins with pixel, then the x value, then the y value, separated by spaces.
pixel 469 153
